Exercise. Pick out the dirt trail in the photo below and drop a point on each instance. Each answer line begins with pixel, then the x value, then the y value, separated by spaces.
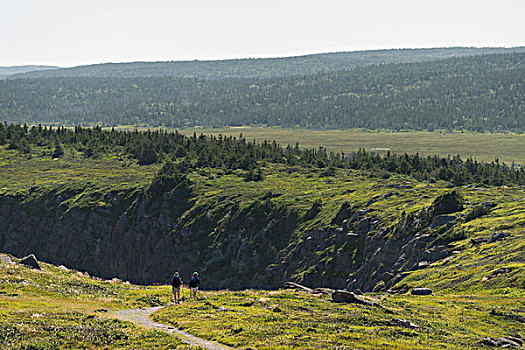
pixel 141 317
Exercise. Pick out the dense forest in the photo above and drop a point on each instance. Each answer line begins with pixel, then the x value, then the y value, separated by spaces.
pixel 480 93
pixel 265 67
pixel 230 153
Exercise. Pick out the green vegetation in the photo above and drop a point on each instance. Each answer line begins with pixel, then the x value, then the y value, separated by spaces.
pixel 58 308
pixel 479 93
pixel 229 153
pixel 374 212
pixel 295 320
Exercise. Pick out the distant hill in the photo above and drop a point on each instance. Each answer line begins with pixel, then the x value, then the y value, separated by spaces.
pixel 8 71
pixel 265 67
pixel 481 93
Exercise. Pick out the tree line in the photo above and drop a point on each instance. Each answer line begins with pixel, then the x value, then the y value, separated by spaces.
pixel 230 153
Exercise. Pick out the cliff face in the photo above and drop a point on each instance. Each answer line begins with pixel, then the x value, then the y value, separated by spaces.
pixel 144 239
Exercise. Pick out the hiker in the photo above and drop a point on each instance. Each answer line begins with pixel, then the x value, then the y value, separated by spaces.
pixel 194 284
pixel 176 283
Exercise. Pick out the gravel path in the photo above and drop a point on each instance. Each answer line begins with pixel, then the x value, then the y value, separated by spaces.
pixel 141 317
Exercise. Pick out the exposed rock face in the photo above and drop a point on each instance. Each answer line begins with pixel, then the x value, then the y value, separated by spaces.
pixel 498 236
pixel 30 261
pixel 406 247
pixel 144 239
pixel 441 220
pixel 447 203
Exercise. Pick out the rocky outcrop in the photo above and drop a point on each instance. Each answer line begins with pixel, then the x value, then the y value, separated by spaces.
pixel 344 296
pixel 6 259
pixel 30 261
pixel 409 245
pixel 503 342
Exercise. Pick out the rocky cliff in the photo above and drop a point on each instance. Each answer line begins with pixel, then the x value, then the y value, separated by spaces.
pixel 143 238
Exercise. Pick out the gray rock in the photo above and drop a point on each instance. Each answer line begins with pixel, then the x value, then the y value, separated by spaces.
pixel 6 259
pixel 344 296
pixel 504 342
pixel 421 291
pixel 499 272
pixel 403 323
pixel 478 240
pixel 362 226
pixel 498 236
pixel 441 220
pixel 30 261
pixel 447 203
pixel 489 204
pixel 423 264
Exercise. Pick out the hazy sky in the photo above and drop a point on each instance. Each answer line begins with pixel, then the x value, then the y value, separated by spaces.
pixel 74 32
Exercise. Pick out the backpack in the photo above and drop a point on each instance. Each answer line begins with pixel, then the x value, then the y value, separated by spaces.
pixel 176 281
pixel 193 282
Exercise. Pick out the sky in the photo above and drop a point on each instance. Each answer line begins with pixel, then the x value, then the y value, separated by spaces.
pixel 78 32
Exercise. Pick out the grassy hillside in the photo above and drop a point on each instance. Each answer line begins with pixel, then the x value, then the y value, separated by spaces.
pixel 295 320
pixel 59 308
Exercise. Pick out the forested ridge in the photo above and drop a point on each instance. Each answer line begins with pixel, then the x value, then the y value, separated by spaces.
pixel 230 153
pixel 480 93
pixel 266 67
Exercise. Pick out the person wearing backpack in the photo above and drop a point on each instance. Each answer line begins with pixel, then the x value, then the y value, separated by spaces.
pixel 194 284
pixel 176 283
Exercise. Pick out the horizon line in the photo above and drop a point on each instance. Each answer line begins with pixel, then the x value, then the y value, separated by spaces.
pixel 226 58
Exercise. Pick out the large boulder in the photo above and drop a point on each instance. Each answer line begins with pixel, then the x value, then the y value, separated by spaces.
pixel 498 236
pixel 344 296
pixel 447 203
pixel 30 261
pixel 421 291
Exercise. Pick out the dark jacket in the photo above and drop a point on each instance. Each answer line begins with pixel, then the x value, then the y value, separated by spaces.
pixel 194 282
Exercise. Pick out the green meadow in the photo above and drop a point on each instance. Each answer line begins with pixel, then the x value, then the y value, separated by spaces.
pixel 507 147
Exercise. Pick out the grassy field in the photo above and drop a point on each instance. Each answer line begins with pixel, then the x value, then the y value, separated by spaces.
pixel 294 320
pixel 507 148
